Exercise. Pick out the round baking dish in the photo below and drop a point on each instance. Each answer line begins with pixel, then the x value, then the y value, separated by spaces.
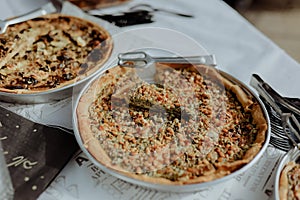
pixel 291 155
pixel 166 187
pixel 42 97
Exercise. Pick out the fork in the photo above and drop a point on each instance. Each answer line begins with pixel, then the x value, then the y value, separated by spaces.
pixel 289 125
pixel 285 135
pixel 278 139
pixel 281 144
pixel 140 59
pixel 46 9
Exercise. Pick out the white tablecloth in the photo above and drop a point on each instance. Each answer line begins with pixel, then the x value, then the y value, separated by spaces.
pixel 241 50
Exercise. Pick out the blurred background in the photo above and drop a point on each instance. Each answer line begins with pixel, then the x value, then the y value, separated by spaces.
pixel 277 19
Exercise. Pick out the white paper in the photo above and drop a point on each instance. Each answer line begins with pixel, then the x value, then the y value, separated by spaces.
pixel 81 179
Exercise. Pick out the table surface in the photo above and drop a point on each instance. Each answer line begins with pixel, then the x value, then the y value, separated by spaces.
pixel 240 49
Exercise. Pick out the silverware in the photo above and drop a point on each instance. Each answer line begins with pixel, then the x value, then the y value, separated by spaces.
pixel 137 14
pixel 140 59
pixel 149 8
pixel 284 122
pixel 292 104
pixel 58 4
pixel 46 9
pixel 281 144
pixel 278 138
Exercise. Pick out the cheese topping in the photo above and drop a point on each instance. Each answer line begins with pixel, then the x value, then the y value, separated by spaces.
pixel 50 52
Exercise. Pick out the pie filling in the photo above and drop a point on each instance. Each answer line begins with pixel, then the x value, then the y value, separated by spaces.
pixel 186 126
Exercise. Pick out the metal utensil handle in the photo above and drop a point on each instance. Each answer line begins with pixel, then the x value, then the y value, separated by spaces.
pixel 205 60
pixel 293 100
pixel 276 96
pixel 142 59
pixel 133 59
pixel 256 83
pixel 128 56
pixel 289 129
pixel 46 9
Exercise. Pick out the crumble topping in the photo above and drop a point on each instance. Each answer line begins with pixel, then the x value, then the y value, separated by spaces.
pixel 186 126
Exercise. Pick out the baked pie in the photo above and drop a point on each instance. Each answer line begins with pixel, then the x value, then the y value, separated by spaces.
pixel 192 125
pixel 289 182
pixel 50 52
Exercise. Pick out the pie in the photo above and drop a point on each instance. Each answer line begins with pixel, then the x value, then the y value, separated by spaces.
pixel 289 182
pixel 94 4
pixel 190 125
pixel 50 52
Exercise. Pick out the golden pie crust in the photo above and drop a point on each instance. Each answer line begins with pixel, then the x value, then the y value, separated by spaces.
pixel 289 182
pixel 94 4
pixel 205 144
pixel 50 52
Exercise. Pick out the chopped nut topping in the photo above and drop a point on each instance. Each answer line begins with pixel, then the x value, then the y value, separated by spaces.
pixel 180 129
